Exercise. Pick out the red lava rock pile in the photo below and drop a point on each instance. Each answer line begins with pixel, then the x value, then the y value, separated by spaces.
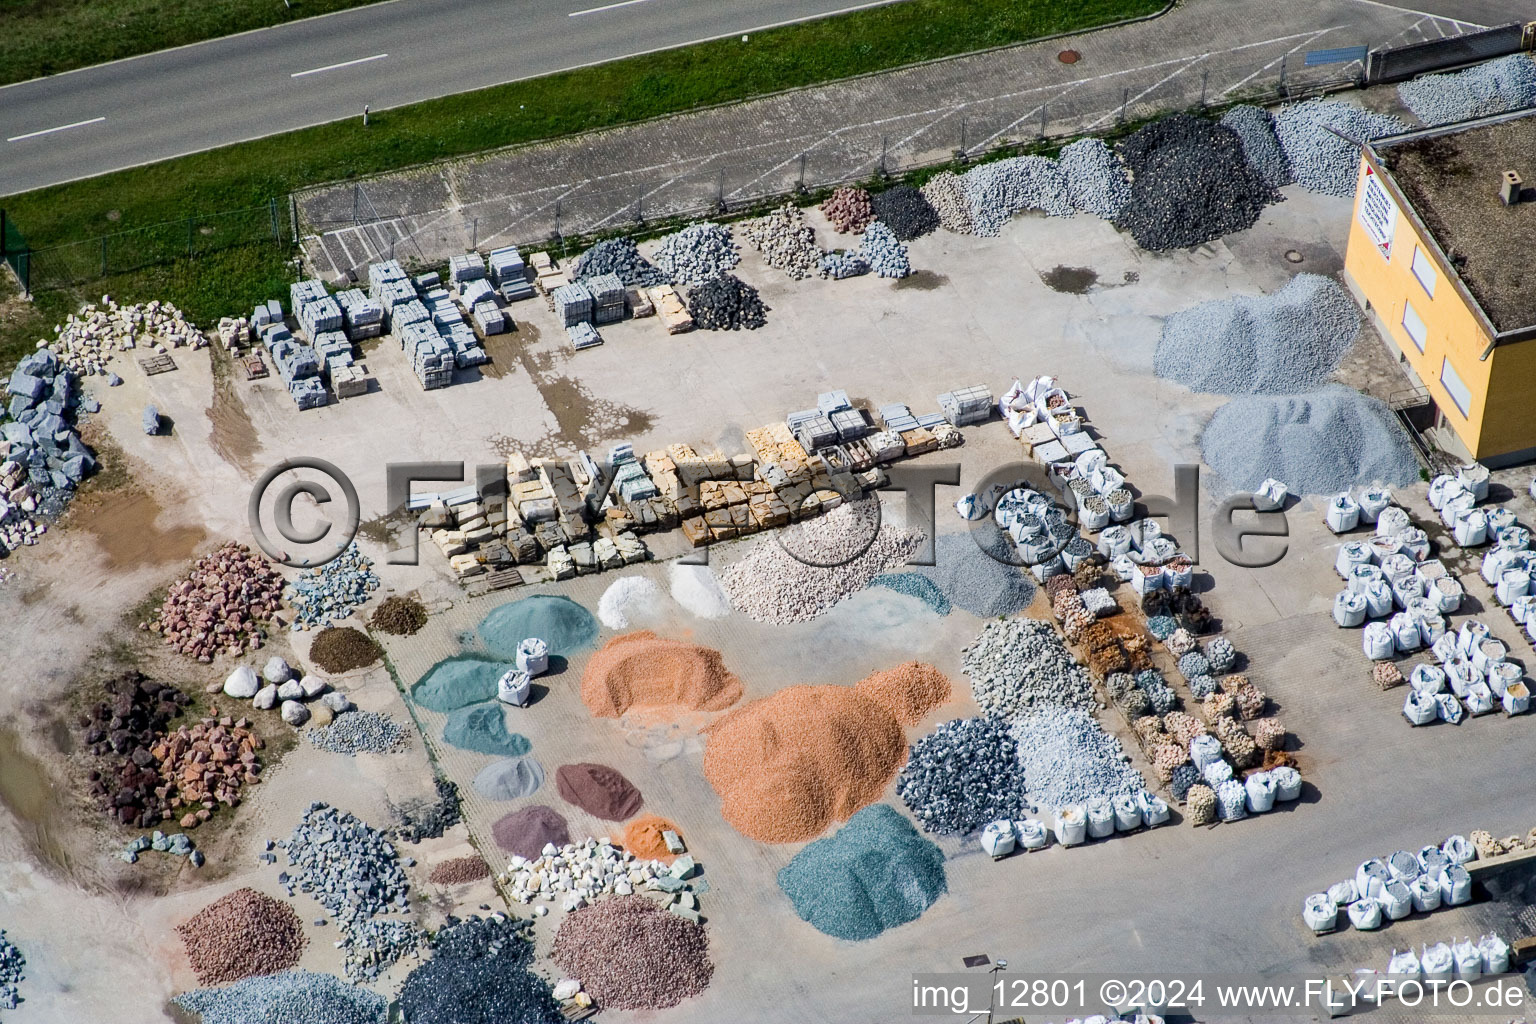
pixel 910 690
pixel 849 209
pixel 644 671
pixel 342 648
pixel 219 606
pixel 599 790
pixel 205 766
pixel 789 765
pixel 242 935
pixel 460 870
pixel 525 832
pixel 123 728
pixel 632 955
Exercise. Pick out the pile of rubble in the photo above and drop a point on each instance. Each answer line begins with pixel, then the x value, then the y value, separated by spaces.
pixel 617 256
pixel 205 766
pixel 176 844
pixel 906 211
pixel 726 303
pixel 322 596
pixel 123 728
pixel 44 459
pixel 219 606
pixel 12 973
pixel 242 934
pixel 697 253
pixel 883 253
pixel 85 341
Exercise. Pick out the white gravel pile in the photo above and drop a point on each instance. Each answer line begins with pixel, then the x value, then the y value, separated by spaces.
pixel 1255 128
pixel 1067 758
pixel 998 190
pixel 945 192
pixel 1321 442
pixel 629 599
pixel 785 240
pixel 800 572
pixel 1278 344
pixel 1097 182
pixel 697 589
pixel 1018 664
pixel 1508 83
pixel 884 252
pixel 1321 161
pixel 698 253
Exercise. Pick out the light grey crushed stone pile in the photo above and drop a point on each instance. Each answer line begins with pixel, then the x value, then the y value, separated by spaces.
pixel 884 252
pixel 1017 664
pixel 1255 128
pixel 618 256
pixel 1067 757
pixel 1096 179
pixel 976 581
pixel 511 778
pixel 288 997
pixel 1321 442
pixel 842 263
pixel 945 192
pixel 1505 84
pixel 1321 161
pixel 785 240
pixel 357 732
pixel 998 190
pixel 963 775
pixel 836 559
pixel 698 253
pixel 1282 343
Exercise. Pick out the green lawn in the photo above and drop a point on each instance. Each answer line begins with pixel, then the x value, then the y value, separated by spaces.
pixel 44 37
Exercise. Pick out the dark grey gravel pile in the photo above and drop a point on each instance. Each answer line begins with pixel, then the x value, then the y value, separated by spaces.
pixel 1096 179
pixel 974 580
pixel 479 974
pixel 1255 128
pixel 618 256
pixel 292 997
pixel 906 211
pixel 1191 184
pixel 962 775
pixel 1278 344
pixel 357 732
pixel 1320 160
pixel 726 303
pixel 416 820
pixel 1494 87
pixel 1018 664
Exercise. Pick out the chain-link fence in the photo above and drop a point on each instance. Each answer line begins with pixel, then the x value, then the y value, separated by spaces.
pixel 14 251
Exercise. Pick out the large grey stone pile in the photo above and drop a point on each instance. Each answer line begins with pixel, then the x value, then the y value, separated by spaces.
pixel 324 595
pixel 1067 758
pixel 479 974
pixel 1320 160
pixel 1282 343
pixel 1321 442
pixel 785 240
pixel 726 303
pixel 906 211
pixel 1255 128
pixel 1017 664
pixel 355 873
pixel 618 256
pixel 883 252
pixel 1096 179
pixel 945 192
pixel 1191 184
pixel 289 997
pixel 13 971
pixel 698 253
pixel 44 459
pixel 962 775
pixel 996 191
pixel 358 732
pixel 1495 87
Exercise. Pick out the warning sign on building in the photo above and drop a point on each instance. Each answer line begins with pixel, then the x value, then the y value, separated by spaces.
pixel 1377 212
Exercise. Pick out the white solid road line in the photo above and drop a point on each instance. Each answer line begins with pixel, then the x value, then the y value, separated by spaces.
pixel 50 131
pixel 605 7
pixel 343 64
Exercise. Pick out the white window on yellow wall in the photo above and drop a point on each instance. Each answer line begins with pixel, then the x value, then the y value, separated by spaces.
pixel 1456 387
pixel 1413 324
pixel 1424 270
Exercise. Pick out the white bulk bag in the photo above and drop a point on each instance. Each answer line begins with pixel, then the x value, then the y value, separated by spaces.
pixel 1371 877
pixel 1470 527
pixel 998 838
pixel 1032 833
pixel 1405 633
pixel 1231 800
pixel 1459 502
pixel 1261 792
pixel 1101 817
pixel 1447 594
pixel 1448 707
pixel 1432 861
pixel 1396 900
pixel 1431 623
pixel 1404 963
pixel 971 508
pixel 1458 850
pixel 1403 865
pixel 1499 520
pixel 1349 609
pixel 1372 501
pixel 1352 553
pixel 1148 578
pixel 1407 588
pixel 1143 532
pixel 1014 399
pixel 1091 521
pixel 1043 571
pixel 1420 708
pixel 1503 675
pixel 1114 541
pixel 1461 674
pixel 1469 959
pixel 1179 573
pixel 1320 913
pixel 1513 583
pixel 1513 537
pixel 1090 462
pixel 1533 487
pixel 1437 489
pixel 1471 633
pixel 1383 548
pixel 1395 567
pixel 1365 914
pixel 1495 954
pixel 1445 648
pixel 1343 893
pixel 1426 893
pixel 1479 699
pixel 1437 961
pixel 1287 783
pixel 1071 825
pixel 1154 809
pixel 1494 564
pixel 1474 477
pixel 1362 576
pixel 1106 479
pixel 1121 505
pixel 514 687
pixel 1489 651
pixel 1516 699
pixel 1272 493
pixel 1379 600
pixel 1520 608
pixel 1123 568
pixel 1343 514
pixel 1216 773
pixel 1127 812
pixel 1391 521
pixel 1377 641
pixel 1415 543
pixel 1204 749
pixel 533 656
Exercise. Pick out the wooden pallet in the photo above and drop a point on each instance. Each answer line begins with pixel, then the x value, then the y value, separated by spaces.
pixel 255 367
pixel 486 583
pixel 161 363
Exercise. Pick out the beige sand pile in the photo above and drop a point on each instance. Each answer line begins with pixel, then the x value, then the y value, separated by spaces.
pixel 643 671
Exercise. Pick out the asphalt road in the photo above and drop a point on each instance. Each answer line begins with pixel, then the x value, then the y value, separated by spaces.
pixel 198 97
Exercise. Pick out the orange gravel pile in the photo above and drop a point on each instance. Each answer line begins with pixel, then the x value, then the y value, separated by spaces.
pixel 789 765
pixel 642 837
pixel 460 870
pixel 910 691
pixel 643 670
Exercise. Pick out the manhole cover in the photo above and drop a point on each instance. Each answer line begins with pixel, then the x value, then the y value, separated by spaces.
pixel 1293 256
pixel 1069 56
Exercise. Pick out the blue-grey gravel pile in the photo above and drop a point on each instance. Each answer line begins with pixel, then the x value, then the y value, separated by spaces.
pixel 618 256
pixel 842 263
pixel 974 580
pixel 1160 695
pixel 915 585
pixel 289 997
pixel 1018 664
pixel 1096 179
pixel 1067 757
pixel 355 873
pixel 1277 344
pixel 698 253
pixel 357 732
pixel 1321 442
pixel 1255 128
pixel 997 191
pixel 1495 87
pixel 1202 686
pixel 420 819
pixel 962 775
pixel 1321 161
pixel 884 253
pixel 1221 654
pixel 479 974
pixel 1162 626
pixel 1194 664
pixel 906 211
pixel 1184 776
pixel 324 595
pixel 13 971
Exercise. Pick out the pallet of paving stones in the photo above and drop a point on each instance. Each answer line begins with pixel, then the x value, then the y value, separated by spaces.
pixel 161 363
pixel 500 579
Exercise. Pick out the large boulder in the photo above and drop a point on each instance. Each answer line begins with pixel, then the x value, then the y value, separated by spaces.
pixel 295 713
pixel 277 670
pixel 291 690
pixel 242 683
pixel 337 702
pixel 313 686
pixel 266 698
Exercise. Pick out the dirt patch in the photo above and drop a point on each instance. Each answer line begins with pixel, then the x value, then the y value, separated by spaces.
pixel 232 435
pixel 123 523
pixel 30 795
pixel 506 350
pixel 1071 280
pixel 920 281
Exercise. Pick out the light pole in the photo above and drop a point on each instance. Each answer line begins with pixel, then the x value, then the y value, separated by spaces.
pixel 997 968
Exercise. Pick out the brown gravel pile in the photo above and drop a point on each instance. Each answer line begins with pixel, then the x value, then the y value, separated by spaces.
pixel 342 649
pixel 909 691
pixel 1059 585
pixel 121 729
pixel 525 832
pixel 630 954
pixel 849 209
pixel 1251 702
pixel 1236 743
pixel 1219 705
pixel 1269 734
pixel 599 790
pixel 205 766
pixel 646 672
pixel 1386 675
pixel 789 765
pixel 219 606
pixel 399 616
pixel 1277 759
pixel 1150 729
pixel 642 837
pixel 460 870
pixel 1183 727
pixel 242 935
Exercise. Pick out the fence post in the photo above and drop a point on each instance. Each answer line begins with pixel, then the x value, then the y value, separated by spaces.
pixel 720 191
pixel 26 271
pixel 3 235
pixel 640 208
pixel 883 142
pixel 962 139
pixel 1283 57
pixel 1125 99
pixel 272 212
pixel 1042 122
pixel 293 217
pixel 800 183
pixel 103 255
pixel 474 235
pixel 1205 78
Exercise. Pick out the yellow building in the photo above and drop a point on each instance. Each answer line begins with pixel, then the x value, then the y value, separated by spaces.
pixel 1446 265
